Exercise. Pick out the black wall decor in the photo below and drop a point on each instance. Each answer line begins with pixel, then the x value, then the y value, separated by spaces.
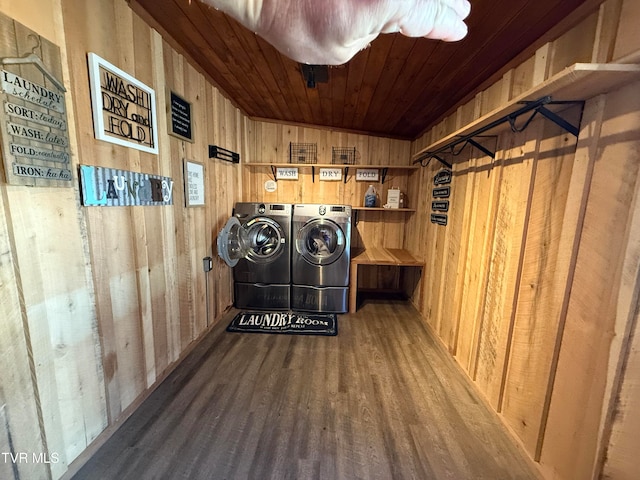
pixel 442 192
pixel 439 206
pixel 223 154
pixel 439 219
pixel 181 125
pixel 443 177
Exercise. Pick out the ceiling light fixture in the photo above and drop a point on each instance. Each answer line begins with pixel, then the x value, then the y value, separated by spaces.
pixel 314 74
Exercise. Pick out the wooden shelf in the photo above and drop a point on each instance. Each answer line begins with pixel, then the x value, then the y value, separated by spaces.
pixel 580 81
pixel 328 165
pixel 379 209
pixel 396 257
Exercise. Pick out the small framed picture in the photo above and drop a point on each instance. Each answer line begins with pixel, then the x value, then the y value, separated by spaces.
pixel 193 184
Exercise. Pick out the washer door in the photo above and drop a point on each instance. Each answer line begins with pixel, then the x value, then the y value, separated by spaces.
pixel 233 242
pixel 320 241
pixel 266 239
pixel 260 240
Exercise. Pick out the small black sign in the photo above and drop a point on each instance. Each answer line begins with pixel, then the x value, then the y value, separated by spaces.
pixel 181 117
pixel 439 219
pixel 440 206
pixel 443 177
pixel 442 192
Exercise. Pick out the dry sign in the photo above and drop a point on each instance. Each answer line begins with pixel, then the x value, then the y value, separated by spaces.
pixel 124 109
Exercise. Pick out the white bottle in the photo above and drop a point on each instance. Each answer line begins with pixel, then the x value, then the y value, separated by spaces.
pixel 370 197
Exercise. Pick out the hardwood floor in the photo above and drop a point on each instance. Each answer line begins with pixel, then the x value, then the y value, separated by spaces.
pixel 379 401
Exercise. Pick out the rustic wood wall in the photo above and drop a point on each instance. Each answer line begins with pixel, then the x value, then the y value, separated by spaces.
pixel 533 286
pixel 98 304
pixel 270 144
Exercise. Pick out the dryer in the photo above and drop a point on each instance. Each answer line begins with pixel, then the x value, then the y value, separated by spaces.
pixel 256 242
pixel 320 258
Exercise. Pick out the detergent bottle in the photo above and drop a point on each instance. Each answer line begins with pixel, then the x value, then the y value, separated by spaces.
pixel 370 197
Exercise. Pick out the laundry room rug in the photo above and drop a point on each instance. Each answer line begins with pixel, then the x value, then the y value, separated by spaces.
pixel 292 323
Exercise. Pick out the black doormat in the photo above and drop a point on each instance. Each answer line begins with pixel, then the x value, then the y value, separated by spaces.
pixel 292 323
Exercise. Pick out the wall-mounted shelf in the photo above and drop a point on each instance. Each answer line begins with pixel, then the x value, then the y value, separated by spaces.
pixel 384 168
pixel 380 209
pixel 578 82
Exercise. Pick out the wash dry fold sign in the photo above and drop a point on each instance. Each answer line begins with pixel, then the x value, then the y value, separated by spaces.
pixel 124 109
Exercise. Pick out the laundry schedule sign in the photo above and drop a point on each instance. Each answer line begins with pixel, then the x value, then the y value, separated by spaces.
pixel 124 109
pixel 33 119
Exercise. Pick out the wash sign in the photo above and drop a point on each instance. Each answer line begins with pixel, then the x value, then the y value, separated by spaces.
pixel 110 187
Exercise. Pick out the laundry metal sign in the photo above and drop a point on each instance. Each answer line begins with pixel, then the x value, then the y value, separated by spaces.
pixel 110 187
pixel 124 109
pixel 33 121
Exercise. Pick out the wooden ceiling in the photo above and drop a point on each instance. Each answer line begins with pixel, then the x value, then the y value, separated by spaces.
pixel 398 87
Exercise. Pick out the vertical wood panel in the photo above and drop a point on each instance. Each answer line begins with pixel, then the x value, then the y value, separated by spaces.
pixel 486 179
pixel 542 283
pixel 462 197
pixel 504 263
pixel 20 414
pixel 628 38
pixel 581 382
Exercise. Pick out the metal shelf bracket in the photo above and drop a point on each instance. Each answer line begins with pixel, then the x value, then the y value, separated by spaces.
pixel 535 107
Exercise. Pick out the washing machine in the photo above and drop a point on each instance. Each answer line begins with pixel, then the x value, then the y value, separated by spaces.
pixel 320 258
pixel 256 243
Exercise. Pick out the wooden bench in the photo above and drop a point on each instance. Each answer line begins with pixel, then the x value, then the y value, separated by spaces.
pixel 397 257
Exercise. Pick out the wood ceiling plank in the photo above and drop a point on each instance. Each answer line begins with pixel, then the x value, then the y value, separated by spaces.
pixel 290 87
pixel 255 68
pixel 452 63
pixel 356 70
pixel 196 46
pixel 393 85
pixel 212 24
pixel 472 70
pixel 421 79
pixel 375 68
pixel 338 78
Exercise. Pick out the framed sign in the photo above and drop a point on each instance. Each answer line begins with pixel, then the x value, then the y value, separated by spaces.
pixel 286 173
pixel 34 135
pixel 367 175
pixel 330 174
pixel 193 184
pixel 439 219
pixel 441 192
pixel 110 187
pixel 180 124
pixel 124 109
pixel 443 177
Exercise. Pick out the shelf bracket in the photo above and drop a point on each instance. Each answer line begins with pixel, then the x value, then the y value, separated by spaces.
pixel 482 148
pixel 442 160
pixel 561 122
pixel 534 108
pixel 313 174
pixel 346 173
pixel 273 172
pixel 383 174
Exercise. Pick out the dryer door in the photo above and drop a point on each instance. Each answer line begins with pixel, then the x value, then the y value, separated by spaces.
pixel 233 242
pixel 320 241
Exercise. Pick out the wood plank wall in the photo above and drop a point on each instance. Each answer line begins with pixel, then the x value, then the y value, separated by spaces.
pixel 533 286
pixel 270 143
pixel 98 304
